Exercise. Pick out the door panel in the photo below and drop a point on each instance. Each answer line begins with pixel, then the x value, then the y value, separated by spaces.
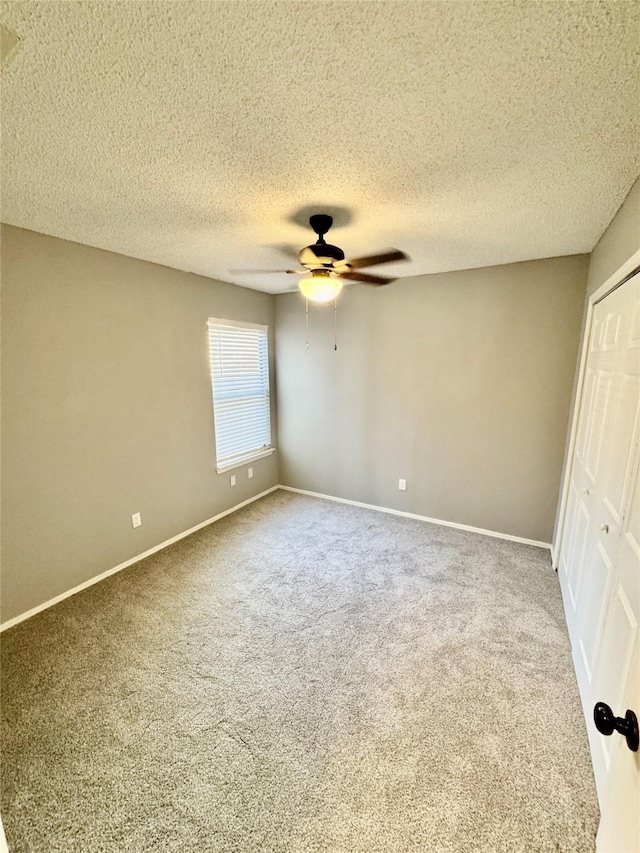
pixel 592 608
pixel 577 554
pixel 620 435
pixel 585 418
pixel 633 340
pixel 599 411
pixel 611 331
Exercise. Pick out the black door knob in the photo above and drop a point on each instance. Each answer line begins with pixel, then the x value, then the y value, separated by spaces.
pixel 607 724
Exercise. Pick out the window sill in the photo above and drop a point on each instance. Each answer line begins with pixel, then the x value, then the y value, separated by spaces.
pixel 247 461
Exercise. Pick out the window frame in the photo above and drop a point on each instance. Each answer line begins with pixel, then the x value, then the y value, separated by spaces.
pixel 262 452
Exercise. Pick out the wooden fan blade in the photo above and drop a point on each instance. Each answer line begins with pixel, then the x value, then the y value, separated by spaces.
pixel 263 272
pixel 374 260
pixel 365 278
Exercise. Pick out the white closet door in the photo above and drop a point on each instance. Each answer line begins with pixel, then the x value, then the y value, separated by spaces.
pixel 599 563
pixel 619 830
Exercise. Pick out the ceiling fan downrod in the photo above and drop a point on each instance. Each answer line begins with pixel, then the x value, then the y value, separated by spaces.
pixel 321 223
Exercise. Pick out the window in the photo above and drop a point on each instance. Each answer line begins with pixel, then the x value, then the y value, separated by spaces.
pixel 239 355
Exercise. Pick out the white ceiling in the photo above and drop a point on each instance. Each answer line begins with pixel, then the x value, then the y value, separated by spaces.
pixel 193 133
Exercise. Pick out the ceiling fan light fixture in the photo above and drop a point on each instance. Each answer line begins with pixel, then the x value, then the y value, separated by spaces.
pixel 320 286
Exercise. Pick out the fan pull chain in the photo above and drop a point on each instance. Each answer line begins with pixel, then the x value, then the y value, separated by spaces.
pixel 335 323
pixel 306 306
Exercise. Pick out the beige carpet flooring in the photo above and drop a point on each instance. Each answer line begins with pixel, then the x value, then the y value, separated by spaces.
pixel 301 676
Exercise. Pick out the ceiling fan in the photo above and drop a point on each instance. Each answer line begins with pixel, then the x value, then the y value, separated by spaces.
pixel 325 266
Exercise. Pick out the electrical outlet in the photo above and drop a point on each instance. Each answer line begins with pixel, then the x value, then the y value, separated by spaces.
pixel 232 479
pixel 402 485
pixel 250 473
pixel 136 519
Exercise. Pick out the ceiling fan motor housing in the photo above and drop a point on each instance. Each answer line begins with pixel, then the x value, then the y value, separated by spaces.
pixel 320 255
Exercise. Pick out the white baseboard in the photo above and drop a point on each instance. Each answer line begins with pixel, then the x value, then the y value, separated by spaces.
pixel 481 530
pixel 17 619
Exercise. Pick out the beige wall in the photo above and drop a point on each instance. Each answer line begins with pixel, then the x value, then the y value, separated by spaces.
pixel 106 411
pixel 618 243
pixel 459 383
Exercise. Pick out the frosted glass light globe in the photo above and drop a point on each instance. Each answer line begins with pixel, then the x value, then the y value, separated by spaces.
pixel 320 286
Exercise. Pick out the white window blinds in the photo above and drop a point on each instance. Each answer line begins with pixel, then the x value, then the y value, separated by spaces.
pixel 239 354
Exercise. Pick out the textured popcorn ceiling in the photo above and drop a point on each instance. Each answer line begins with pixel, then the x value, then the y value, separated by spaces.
pixel 192 133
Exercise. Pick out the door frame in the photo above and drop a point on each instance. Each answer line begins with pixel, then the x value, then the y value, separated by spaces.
pixel 598 295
